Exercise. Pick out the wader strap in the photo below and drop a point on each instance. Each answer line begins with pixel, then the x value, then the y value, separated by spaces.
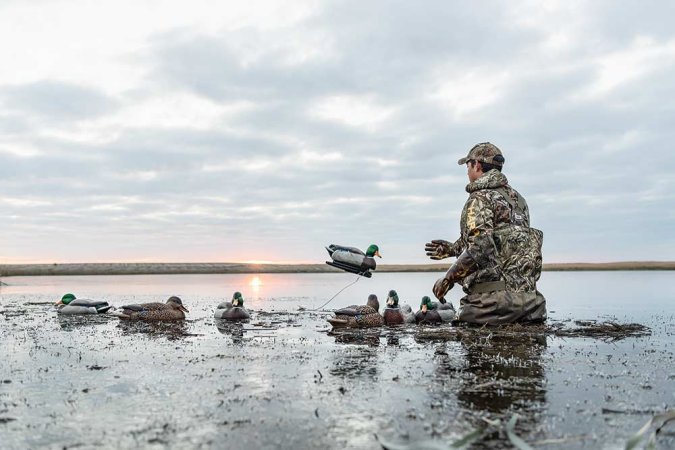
pixel 517 206
pixel 488 286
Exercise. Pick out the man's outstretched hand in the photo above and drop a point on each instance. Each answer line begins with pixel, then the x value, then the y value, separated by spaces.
pixel 441 287
pixel 438 249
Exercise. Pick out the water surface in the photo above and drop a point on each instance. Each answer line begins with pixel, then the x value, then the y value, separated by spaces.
pixel 283 380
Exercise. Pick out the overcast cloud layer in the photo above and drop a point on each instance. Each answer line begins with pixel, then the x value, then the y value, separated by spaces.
pixel 264 130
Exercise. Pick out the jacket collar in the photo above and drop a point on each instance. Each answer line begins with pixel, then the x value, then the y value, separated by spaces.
pixel 490 180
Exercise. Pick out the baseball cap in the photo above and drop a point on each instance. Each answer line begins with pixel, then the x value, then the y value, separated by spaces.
pixel 484 152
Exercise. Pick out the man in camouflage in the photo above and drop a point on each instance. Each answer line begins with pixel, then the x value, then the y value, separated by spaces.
pixel 498 254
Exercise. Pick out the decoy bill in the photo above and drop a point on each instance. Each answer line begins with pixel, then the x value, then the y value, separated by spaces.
pixel 353 260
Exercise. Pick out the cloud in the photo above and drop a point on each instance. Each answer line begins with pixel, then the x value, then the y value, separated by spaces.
pixel 56 101
pixel 265 133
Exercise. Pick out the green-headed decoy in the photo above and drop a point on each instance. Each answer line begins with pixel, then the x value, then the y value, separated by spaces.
pixel 351 259
pixel 71 305
pixel 232 310
pixel 434 312
pixel 395 314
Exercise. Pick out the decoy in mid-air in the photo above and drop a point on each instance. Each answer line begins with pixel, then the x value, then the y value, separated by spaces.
pixel 353 260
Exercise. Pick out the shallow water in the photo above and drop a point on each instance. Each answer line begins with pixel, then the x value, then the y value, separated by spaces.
pixel 284 380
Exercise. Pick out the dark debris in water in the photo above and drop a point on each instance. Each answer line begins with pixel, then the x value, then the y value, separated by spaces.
pixel 607 331
pixel 604 330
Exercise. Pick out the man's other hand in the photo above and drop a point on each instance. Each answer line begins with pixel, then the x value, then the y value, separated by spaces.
pixel 438 249
pixel 441 287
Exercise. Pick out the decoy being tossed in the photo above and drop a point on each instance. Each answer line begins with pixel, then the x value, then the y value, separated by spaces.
pixel 170 311
pixel 358 316
pixel 353 260
pixel 71 305
pixel 434 312
pixel 395 314
pixel 232 310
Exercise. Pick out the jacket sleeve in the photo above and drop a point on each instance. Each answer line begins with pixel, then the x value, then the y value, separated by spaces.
pixel 477 229
pixel 457 247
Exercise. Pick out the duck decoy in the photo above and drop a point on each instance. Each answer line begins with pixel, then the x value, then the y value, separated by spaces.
pixel 359 316
pixel 172 310
pixel 232 310
pixel 353 260
pixel 434 312
pixel 71 305
pixel 395 314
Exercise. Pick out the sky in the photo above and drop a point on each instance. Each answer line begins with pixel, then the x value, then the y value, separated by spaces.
pixel 221 131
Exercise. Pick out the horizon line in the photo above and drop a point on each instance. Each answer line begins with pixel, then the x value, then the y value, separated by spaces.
pixel 8 270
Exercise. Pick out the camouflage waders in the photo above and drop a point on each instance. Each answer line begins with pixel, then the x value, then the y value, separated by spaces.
pixel 500 253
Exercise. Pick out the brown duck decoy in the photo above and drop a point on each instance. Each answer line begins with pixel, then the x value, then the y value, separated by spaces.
pixel 170 311
pixel 359 316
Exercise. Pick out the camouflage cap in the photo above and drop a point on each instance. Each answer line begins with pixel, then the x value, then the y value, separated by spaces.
pixel 484 152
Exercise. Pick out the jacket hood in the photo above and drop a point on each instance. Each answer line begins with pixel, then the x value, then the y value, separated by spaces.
pixel 490 180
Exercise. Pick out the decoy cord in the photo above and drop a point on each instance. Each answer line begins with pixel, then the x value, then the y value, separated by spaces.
pixel 338 293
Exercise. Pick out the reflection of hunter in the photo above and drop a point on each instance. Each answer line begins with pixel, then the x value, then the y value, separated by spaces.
pixel 498 254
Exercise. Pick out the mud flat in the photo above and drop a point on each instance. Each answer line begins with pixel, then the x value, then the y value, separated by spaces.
pixel 285 380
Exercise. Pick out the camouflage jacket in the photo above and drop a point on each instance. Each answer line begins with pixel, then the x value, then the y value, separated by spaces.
pixel 498 236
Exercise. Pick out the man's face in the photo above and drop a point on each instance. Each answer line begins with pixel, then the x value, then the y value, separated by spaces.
pixel 473 170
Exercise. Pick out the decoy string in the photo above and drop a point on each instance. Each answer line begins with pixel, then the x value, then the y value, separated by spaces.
pixel 338 293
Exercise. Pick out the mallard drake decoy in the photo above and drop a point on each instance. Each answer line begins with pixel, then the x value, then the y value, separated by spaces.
pixel 232 310
pixel 395 314
pixel 353 260
pixel 434 312
pixel 359 316
pixel 71 305
pixel 172 310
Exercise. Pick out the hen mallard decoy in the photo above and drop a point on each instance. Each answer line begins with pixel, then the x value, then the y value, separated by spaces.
pixel 395 314
pixel 232 310
pixel 434 312
pixel 71 305
pixel 353 260
pixel 358 316
pixel 172 310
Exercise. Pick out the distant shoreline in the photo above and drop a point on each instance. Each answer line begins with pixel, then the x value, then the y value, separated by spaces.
pixel 9 270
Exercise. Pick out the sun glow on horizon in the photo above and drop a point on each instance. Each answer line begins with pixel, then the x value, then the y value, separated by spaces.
pixel 255 282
